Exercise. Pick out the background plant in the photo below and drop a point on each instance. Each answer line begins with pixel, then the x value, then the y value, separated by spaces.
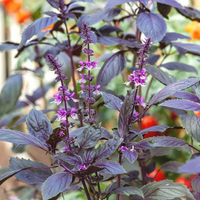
pixel 124 161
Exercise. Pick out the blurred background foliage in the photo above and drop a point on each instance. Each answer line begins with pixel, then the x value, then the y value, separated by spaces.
pixel 24 12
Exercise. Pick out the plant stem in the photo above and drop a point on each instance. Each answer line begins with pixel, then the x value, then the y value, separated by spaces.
pixel 65 103
pixel 119 176
pixel 89 93
pixel 73 70
pixel 86 190
pixel 71 172
pixel 98 185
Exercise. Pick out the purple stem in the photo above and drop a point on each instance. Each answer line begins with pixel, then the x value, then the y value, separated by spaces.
pixel 86 190
pixel 89 93
pixel 119 176
pixel 73 70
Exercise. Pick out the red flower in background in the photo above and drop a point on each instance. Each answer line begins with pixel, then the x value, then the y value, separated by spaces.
pixel 147 122
pixel 16 7
pixel 22 15
pixel 158 176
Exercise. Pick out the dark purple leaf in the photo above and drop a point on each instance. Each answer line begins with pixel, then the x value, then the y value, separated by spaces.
pixel 110 167
pixel 23 119
pixel 130 155
pixel 105 57
pixel 108 40
pixel 179 66
pixel 172 36
pixel 160 75
pixel 159 128
pixel 88 156
pixel 196 184
pixel 112 3
pixel 164 10
pixel 124 115
pixel 56 184
pixel 190 48
pixel 182 104
pixel 77 132
pixel 143 145
pixel 191 167
pixel 10 93
pixel 164 141
pixel 150 167
pixel 176 111
pixel 21 104
pixel 111 68
pixel 92 169
pixel 38 125
pixel 192 125
pixel 187 96
pixel 89 138
pixel 106 15
pixel 190 13
pixel 165 190
pixel 37 174
pixel 172 88
pixel 55 138
pixel 50 13
pixel 72 159
pixel 54 3
pixel 105 134
pixel 172 3
pixel 111 101
pixel 8 175
pixel 17 137
pixel 35 28
pixel 132 176
pixel 6 46
pixel 152 59
pixel 107 148
pixel 107 29
pixel 113 186
pixel 128 190
pixel 152 25
pixel 172 166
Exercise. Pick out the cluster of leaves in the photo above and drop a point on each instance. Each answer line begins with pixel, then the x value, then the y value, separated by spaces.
pixel 91 159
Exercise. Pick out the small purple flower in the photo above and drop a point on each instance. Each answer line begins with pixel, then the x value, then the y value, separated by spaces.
pixel 82 80
pixel 58 99
pixel 123 148
pixel 66 148
pixel 133 149
pixel 89 52
pixel 61 114
pixel 136 114
pixel 140 101
pixel 83 167
pixel 61 133
pixel 138 77
pixel 96 91
pixel 69 96
pixel 73 113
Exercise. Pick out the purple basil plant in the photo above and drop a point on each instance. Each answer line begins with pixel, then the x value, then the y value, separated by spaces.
pixel 85 156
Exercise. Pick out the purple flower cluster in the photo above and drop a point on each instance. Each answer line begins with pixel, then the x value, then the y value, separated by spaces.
pixel 138 77
pixel 62 96
pixel 87 78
